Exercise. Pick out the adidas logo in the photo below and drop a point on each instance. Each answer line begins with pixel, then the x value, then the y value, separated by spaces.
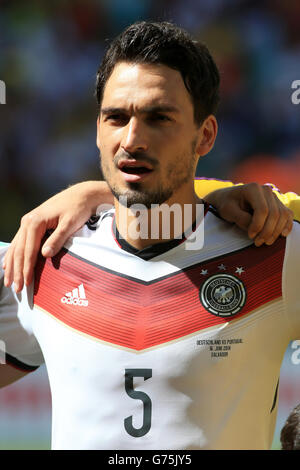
pixel 76 297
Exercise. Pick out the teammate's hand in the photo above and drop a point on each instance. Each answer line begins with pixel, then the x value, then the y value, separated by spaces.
pixel 64 213
pixel 255 209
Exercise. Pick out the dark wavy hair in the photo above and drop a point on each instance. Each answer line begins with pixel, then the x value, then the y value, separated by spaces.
pixel 166 44
pixel 290 433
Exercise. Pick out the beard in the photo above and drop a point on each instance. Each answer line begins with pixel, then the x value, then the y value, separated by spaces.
pixel 135 194
pixel 177 174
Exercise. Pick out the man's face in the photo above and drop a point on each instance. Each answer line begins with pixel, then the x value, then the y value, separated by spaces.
pixel 147 135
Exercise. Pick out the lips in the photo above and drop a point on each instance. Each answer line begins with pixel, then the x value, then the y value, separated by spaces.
pixel 134 167
pixel 134 171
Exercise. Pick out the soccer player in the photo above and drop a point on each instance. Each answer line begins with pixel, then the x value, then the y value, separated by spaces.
pixel 157 340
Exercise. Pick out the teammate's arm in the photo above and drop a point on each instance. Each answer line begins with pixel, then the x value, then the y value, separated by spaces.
pixel 63 214
pixel 255 209
pixel 67 211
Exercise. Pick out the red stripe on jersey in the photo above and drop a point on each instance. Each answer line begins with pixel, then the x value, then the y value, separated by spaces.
pixel 138 315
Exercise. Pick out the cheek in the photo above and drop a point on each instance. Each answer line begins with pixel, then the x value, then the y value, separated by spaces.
pixel 109 143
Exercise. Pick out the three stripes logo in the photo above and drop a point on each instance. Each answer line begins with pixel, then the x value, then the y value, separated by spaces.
pixel 75 297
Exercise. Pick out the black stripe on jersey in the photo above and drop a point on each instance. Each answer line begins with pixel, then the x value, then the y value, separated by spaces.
pixel 158 279
pixel 12 361
pixel 94 219
pixel 275 397
pixel 149 251
pixel 213 210
pixel 92 222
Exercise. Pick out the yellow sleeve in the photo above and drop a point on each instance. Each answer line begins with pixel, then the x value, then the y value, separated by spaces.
pixel 205 186
pixel 292 201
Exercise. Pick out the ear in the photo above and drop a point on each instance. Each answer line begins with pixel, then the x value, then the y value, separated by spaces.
pixel 98 133
pixel 207 135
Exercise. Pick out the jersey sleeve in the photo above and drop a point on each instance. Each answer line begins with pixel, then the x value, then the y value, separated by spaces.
pixel 290 281
pixel 292 201
pixel 18 344
pixel 204 186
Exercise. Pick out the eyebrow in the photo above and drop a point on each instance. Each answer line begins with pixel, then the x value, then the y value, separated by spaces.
pixel 145 110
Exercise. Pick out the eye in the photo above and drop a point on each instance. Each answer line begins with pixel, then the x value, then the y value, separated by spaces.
pixel 116 118
pixel 159 117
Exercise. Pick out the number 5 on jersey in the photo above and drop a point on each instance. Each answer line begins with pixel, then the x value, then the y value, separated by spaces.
pixel 136 395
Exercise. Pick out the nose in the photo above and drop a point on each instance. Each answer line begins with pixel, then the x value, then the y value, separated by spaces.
pixel 134 136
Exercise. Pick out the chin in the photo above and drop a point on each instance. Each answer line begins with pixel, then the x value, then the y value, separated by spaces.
pixel 134 195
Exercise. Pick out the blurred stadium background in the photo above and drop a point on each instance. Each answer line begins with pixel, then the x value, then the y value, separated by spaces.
pixel 49 54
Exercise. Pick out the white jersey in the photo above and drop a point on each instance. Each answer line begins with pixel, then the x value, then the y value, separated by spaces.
pixel 174 349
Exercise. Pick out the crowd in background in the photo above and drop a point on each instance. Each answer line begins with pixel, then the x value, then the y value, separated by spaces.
pixel 49 55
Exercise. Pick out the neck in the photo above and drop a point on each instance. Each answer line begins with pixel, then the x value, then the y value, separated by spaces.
pixel 160 223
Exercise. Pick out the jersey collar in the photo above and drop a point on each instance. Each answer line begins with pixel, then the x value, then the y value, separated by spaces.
pixel 156 249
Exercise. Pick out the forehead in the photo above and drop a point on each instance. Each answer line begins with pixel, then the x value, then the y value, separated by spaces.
pixel 135 85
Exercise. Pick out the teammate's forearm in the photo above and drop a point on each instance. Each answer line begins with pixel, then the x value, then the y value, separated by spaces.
pixel 95 193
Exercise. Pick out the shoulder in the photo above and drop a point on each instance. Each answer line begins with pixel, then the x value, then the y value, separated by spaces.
pixel 293 244
pixel 291 275
pixel 95 235
pixel 294 236
pixel 216 226
pixel 97 227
